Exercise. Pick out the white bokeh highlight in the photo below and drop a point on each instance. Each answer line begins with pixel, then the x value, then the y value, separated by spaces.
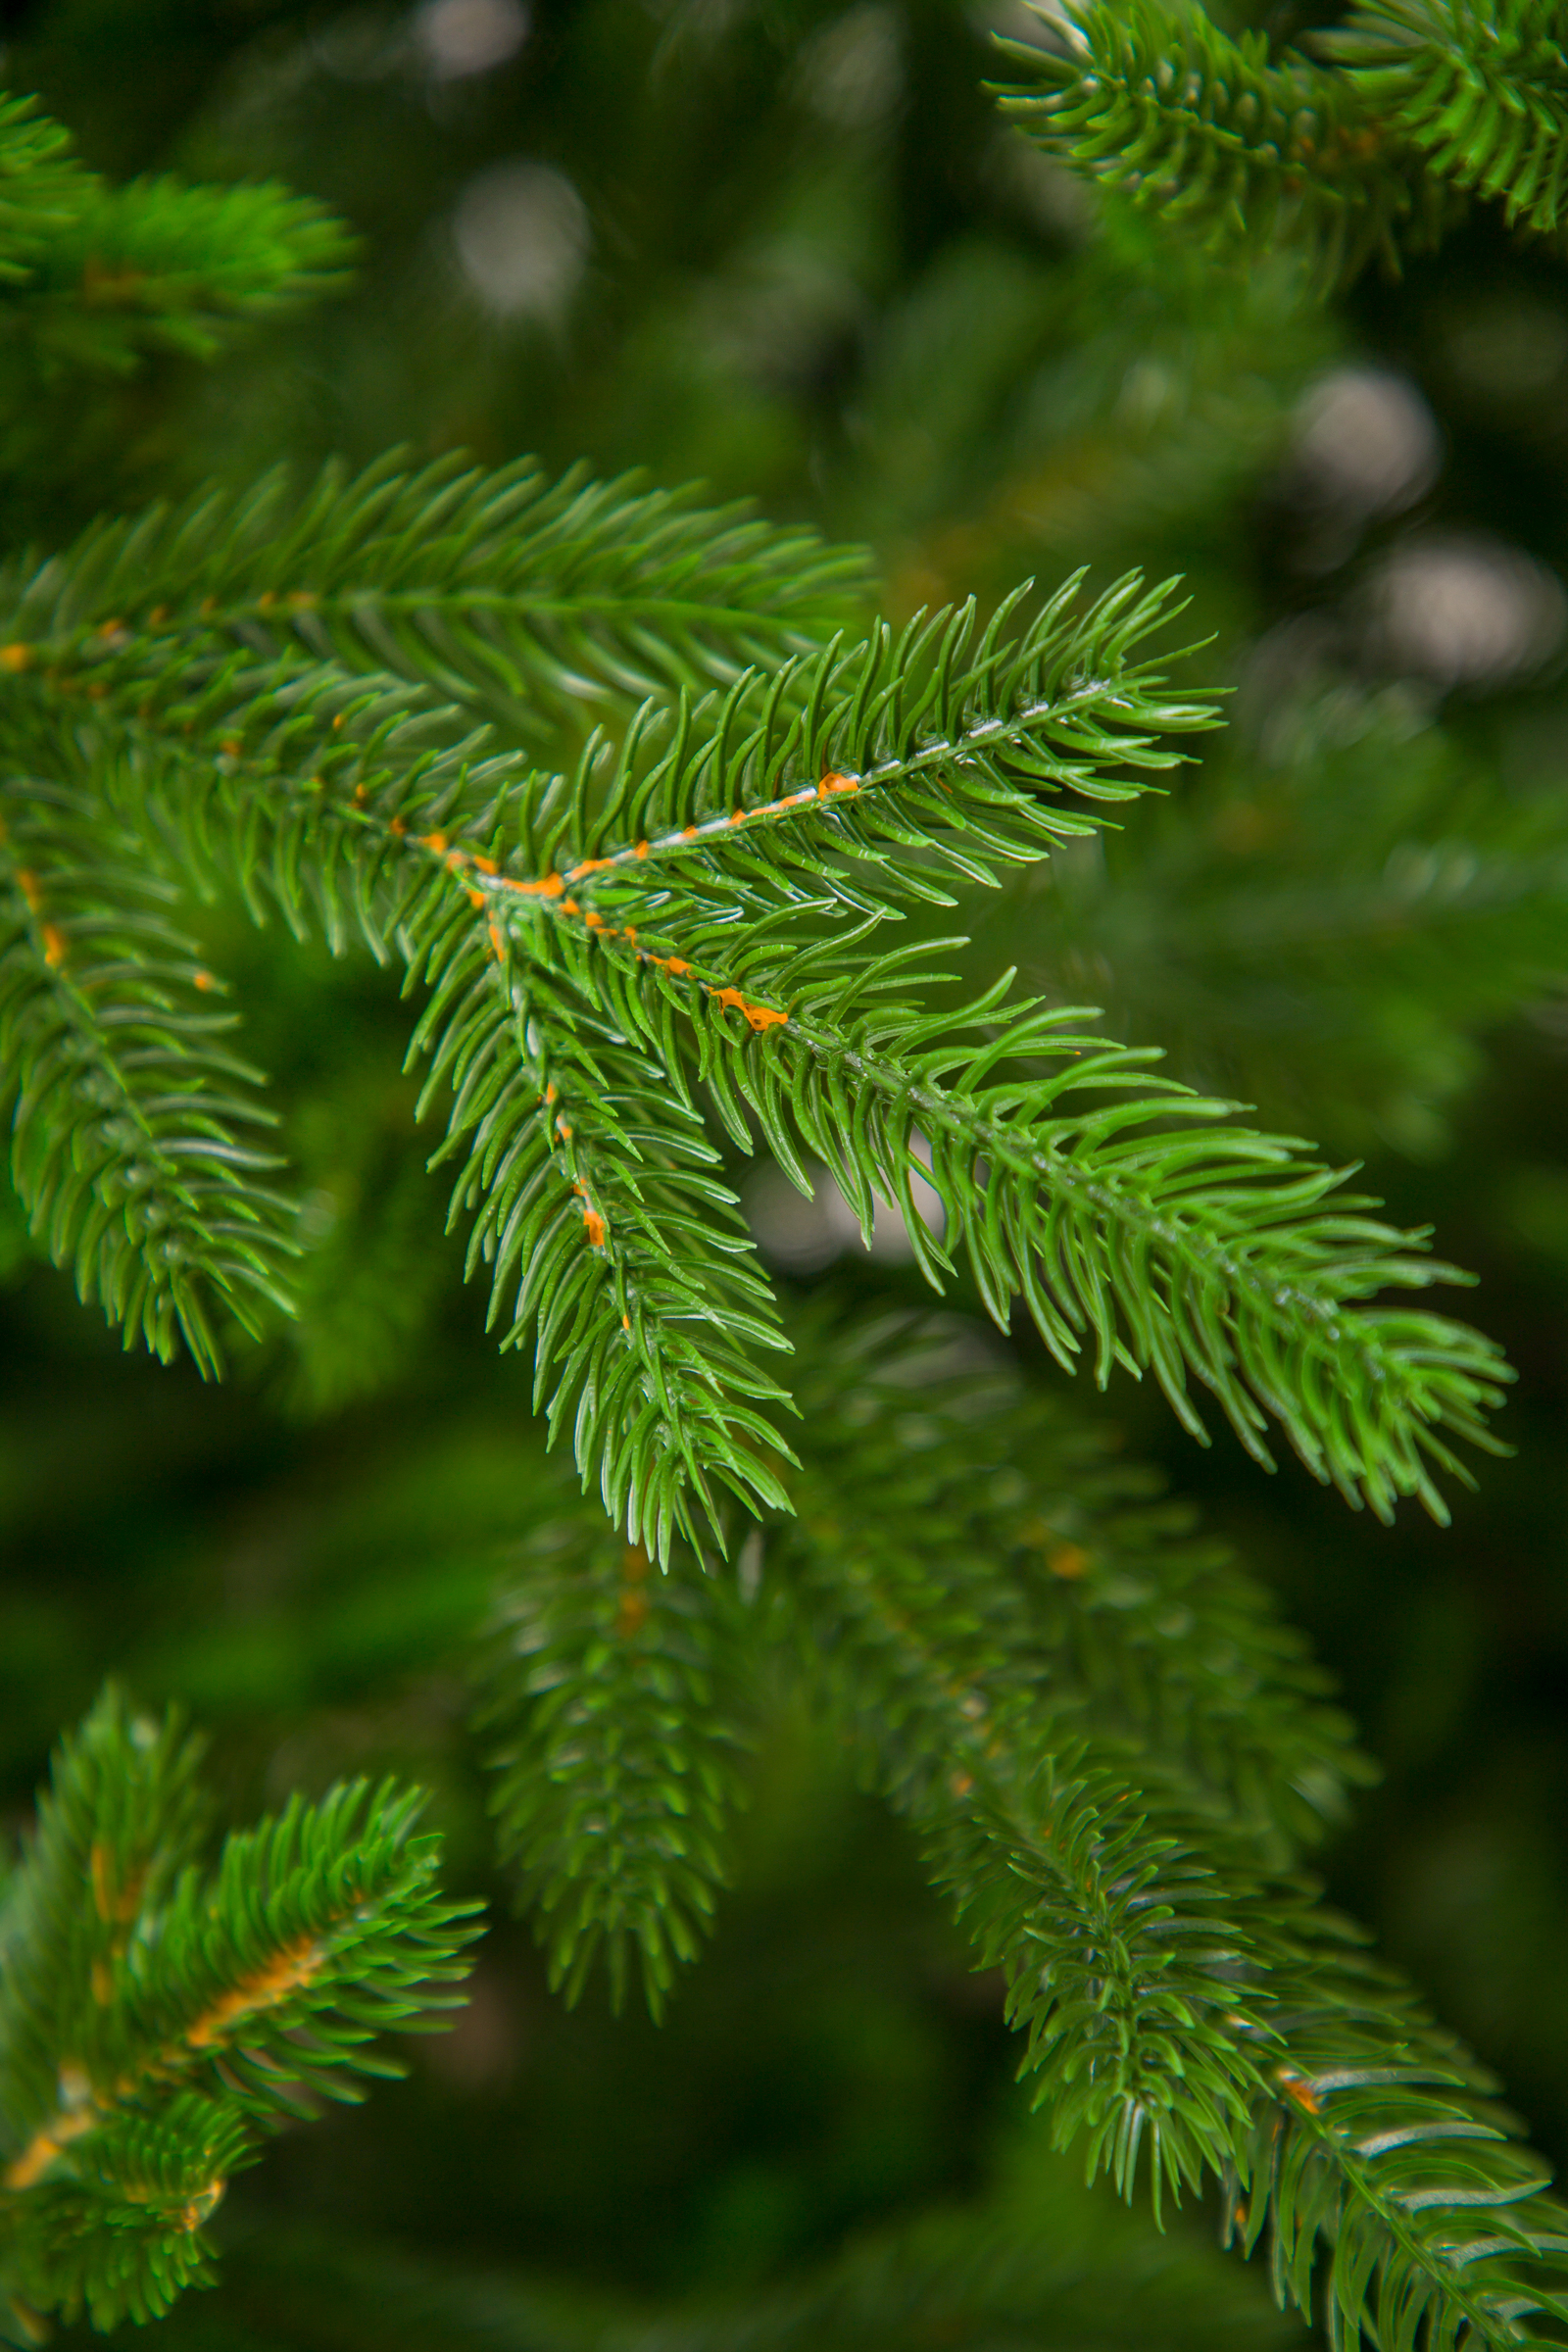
pixel 522 237
pixel 455 38
pixel 1366 441
pixel 1466 612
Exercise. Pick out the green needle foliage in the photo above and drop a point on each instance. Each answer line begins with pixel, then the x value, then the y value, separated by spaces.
pixel 156 2019
pixel 1354 150
pixel 101 273
pixel 629 789
pixel 1177 1990
pixel 737 831
pixel 1346 871
pixel 134 1132
pixel 615 1693
pixel 1212 132
pixel 1115 1755
pixel 101 278
pixel 1483 92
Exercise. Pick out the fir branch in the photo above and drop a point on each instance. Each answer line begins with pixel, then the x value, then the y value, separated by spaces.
pixel 128 1144
pixel 99 274
pixel 615 1695
pixel 332 804
pixel 122 2236
pixel 1482 91
pixel 1062 1572
pixel 509 595
pixel 160 265
pixel 858 777
pixel 1171 1990
pixel 41 184
pixel 588 1186
pixel 1156 102
pixel 125 1814
pixel 1351 878
pixel 1165 1992
pixel 149 2033
pixel 1227 1258
pixel 1222 1258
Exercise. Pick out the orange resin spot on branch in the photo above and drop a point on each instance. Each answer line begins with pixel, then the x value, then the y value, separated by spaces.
pixel 287 1970
pixel 202 2204
pixel 15 657
pixel 28 884
pixel 111 1901
pixel 833 783
pixel 761 1016
pixel 44 2146
pixel 1296 2086
pixel 56 945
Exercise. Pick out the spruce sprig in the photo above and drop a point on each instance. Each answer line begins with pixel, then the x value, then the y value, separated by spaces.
pixel 1481 92
pixel 1181 1993
pixel 614 1712
pixel 155 2018
pixel 623 1696
pixel 503 592
pixel 1155 100
pixel 670 916
pixel 134 1127
pixel 41 184
pixel 98 274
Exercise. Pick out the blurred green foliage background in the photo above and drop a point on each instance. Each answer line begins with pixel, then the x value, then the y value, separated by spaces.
pixel 789 248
